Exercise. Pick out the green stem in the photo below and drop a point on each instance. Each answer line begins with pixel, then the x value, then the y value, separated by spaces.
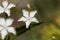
pixel 7 37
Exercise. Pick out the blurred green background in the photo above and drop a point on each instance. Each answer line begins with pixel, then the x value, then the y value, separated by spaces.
pixel 48 13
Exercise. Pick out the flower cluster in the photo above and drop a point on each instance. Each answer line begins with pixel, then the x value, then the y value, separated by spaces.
pixel 5 24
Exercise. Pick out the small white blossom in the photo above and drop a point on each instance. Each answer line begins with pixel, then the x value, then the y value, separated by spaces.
pixel 5 27
pixel 6 7
pixel 28 18
pixel 53 37
pixel 28 5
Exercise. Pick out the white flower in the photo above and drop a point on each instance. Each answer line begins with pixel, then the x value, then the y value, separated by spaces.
pixel 28 18
pixel 6 7
pixel 5 27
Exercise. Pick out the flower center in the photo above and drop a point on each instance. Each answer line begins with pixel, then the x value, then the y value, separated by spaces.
pixel 5 8
pixel 29 18
pixel 5 27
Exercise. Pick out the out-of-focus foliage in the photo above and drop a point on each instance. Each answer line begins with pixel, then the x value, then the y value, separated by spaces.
pixel 49 13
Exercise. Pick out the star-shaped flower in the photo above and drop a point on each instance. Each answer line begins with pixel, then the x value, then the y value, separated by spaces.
pixel 5 27
pixel 6 7
pixel 28 18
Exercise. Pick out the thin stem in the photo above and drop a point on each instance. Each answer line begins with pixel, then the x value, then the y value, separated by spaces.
pixel 7 37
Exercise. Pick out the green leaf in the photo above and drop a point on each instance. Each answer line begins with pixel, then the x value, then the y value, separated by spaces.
pixel 23 28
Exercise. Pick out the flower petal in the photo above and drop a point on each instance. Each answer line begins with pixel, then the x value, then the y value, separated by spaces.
pixel 3 34
pixel 2 21
pixel 5 3
pixel 11 30
pixel 34 20
pixel 32 13
pixel 25 13
pixel 1 10
pixel 11 5
pixel 7 12
pixel 9 22
pixel 22 19
pixel 27 24
pixel 1 28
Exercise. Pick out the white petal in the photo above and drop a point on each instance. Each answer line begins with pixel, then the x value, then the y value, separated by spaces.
pixel 34 20
pixel 2 21
pixel 11 5
pixel 5 3
pixel 3 34
pixel 22 19
pixel 27 24
pixel 1 28
pixel 32 13
pixel 25 13
pixel 11 30
pixel 1 10
pixel 7 12
pixel 9 22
